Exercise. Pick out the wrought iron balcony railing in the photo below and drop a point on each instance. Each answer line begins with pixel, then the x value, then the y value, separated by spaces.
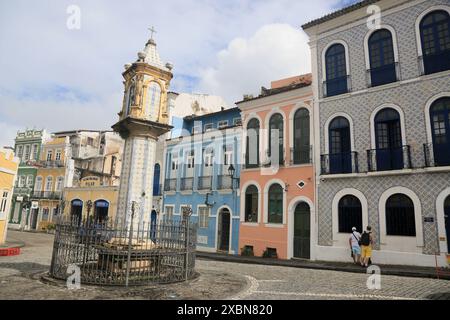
pixel 205 183
pixel 436 155
pixel 339 163
pixel 224 182
pixel 51 164
pixel 383 75
pixel 47 194
pixel 337 86
pixel 433 63
pixel 302 155
pixel 170 185
pixel 389 159
pixel 187 184
pixel 22 190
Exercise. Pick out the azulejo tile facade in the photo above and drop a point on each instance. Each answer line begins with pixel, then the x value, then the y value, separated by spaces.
pixel 387 156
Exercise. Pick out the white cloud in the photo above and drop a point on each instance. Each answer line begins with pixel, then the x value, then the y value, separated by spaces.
pixel 275 51
pixel 218 47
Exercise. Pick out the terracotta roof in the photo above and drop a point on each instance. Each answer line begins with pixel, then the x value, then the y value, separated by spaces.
pixel 302 81
pixel 338 13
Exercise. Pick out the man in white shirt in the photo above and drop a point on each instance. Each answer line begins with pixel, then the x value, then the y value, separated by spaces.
pixel 354 245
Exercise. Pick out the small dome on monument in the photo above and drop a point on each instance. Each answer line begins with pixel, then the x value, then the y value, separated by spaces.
pixel 127 66
pixel 169 65
pixel 142 55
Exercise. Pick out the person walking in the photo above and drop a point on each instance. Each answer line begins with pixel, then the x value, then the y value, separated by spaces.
pixel 354 245
pixel 366 246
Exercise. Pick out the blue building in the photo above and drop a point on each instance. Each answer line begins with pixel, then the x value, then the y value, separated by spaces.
pixel 201 172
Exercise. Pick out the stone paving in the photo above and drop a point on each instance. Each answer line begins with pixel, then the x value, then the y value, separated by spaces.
pixel 20 278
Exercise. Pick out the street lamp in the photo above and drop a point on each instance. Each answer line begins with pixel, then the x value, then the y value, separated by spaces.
pixel 231 172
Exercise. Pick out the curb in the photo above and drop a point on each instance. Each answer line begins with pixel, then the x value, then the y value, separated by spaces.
pixel 386 270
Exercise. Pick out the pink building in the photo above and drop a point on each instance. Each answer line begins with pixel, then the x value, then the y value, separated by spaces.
pixel 277 180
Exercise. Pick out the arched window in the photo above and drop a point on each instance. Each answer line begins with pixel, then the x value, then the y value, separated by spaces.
pixel 435 37
pixel 276 123
pixel 59 184
pixel 251 204
pixel 350 214
pixel 49 183
pixel 440 127
pixel 156 180
pixel 275 214
pixel 400 216
pixel 388 138
pixel 101 208
pixel 252 152
pixel 301 137
pixel 382 60
pixel 131 98
pixel 340 160
pixel 336 70
pixel 153 101
pixel 38 184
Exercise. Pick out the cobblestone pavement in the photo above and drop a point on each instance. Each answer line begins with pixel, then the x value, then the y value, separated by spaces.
pixel 218 280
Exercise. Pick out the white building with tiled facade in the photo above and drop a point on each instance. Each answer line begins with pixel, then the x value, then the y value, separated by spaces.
pixel 382 93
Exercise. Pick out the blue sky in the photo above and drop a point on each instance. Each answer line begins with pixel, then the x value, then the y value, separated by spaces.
pixel 62 79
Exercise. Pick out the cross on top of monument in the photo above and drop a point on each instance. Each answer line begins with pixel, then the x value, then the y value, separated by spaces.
pixel 152 30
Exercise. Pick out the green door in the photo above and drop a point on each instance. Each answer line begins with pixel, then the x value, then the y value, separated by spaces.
pixel 302 231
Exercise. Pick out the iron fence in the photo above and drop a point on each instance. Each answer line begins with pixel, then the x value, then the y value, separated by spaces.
pixel 114 254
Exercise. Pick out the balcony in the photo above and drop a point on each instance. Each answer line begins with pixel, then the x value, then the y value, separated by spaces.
pixel 339 163
pixel 337 86
pixel 51 195
pixel 433 63
pixel 204 183
pixel 383 75
pixel 170 185
pixel 436 155
pixel 389 159
pixel 51 164
pixel 224 183
pixel 22 190
pixel 301 155
pixel 187 184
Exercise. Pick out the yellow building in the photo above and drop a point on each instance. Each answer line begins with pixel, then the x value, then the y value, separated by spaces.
pixel 91 199
pixel 55 169
pixel 8 172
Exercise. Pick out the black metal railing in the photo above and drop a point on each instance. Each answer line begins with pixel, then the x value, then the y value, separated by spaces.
pixel 433 63
pixel 187 184
pixel 170 185
pixel 389 159
pixel 204 183
pixel 383 75
pixel 436 155
pixel 339 163
pixel 337 86
pixel 51 164
pixel 47 194
pixel 224 182
pixel 268 162
pixel 21 190
pixel 302 155
pixel 123 254
pixel 251 166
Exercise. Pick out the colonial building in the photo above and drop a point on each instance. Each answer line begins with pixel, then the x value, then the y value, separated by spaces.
pixel 202 170
pixel 28 149
pixel 8 172
pixel 382 100
pixel 277 214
